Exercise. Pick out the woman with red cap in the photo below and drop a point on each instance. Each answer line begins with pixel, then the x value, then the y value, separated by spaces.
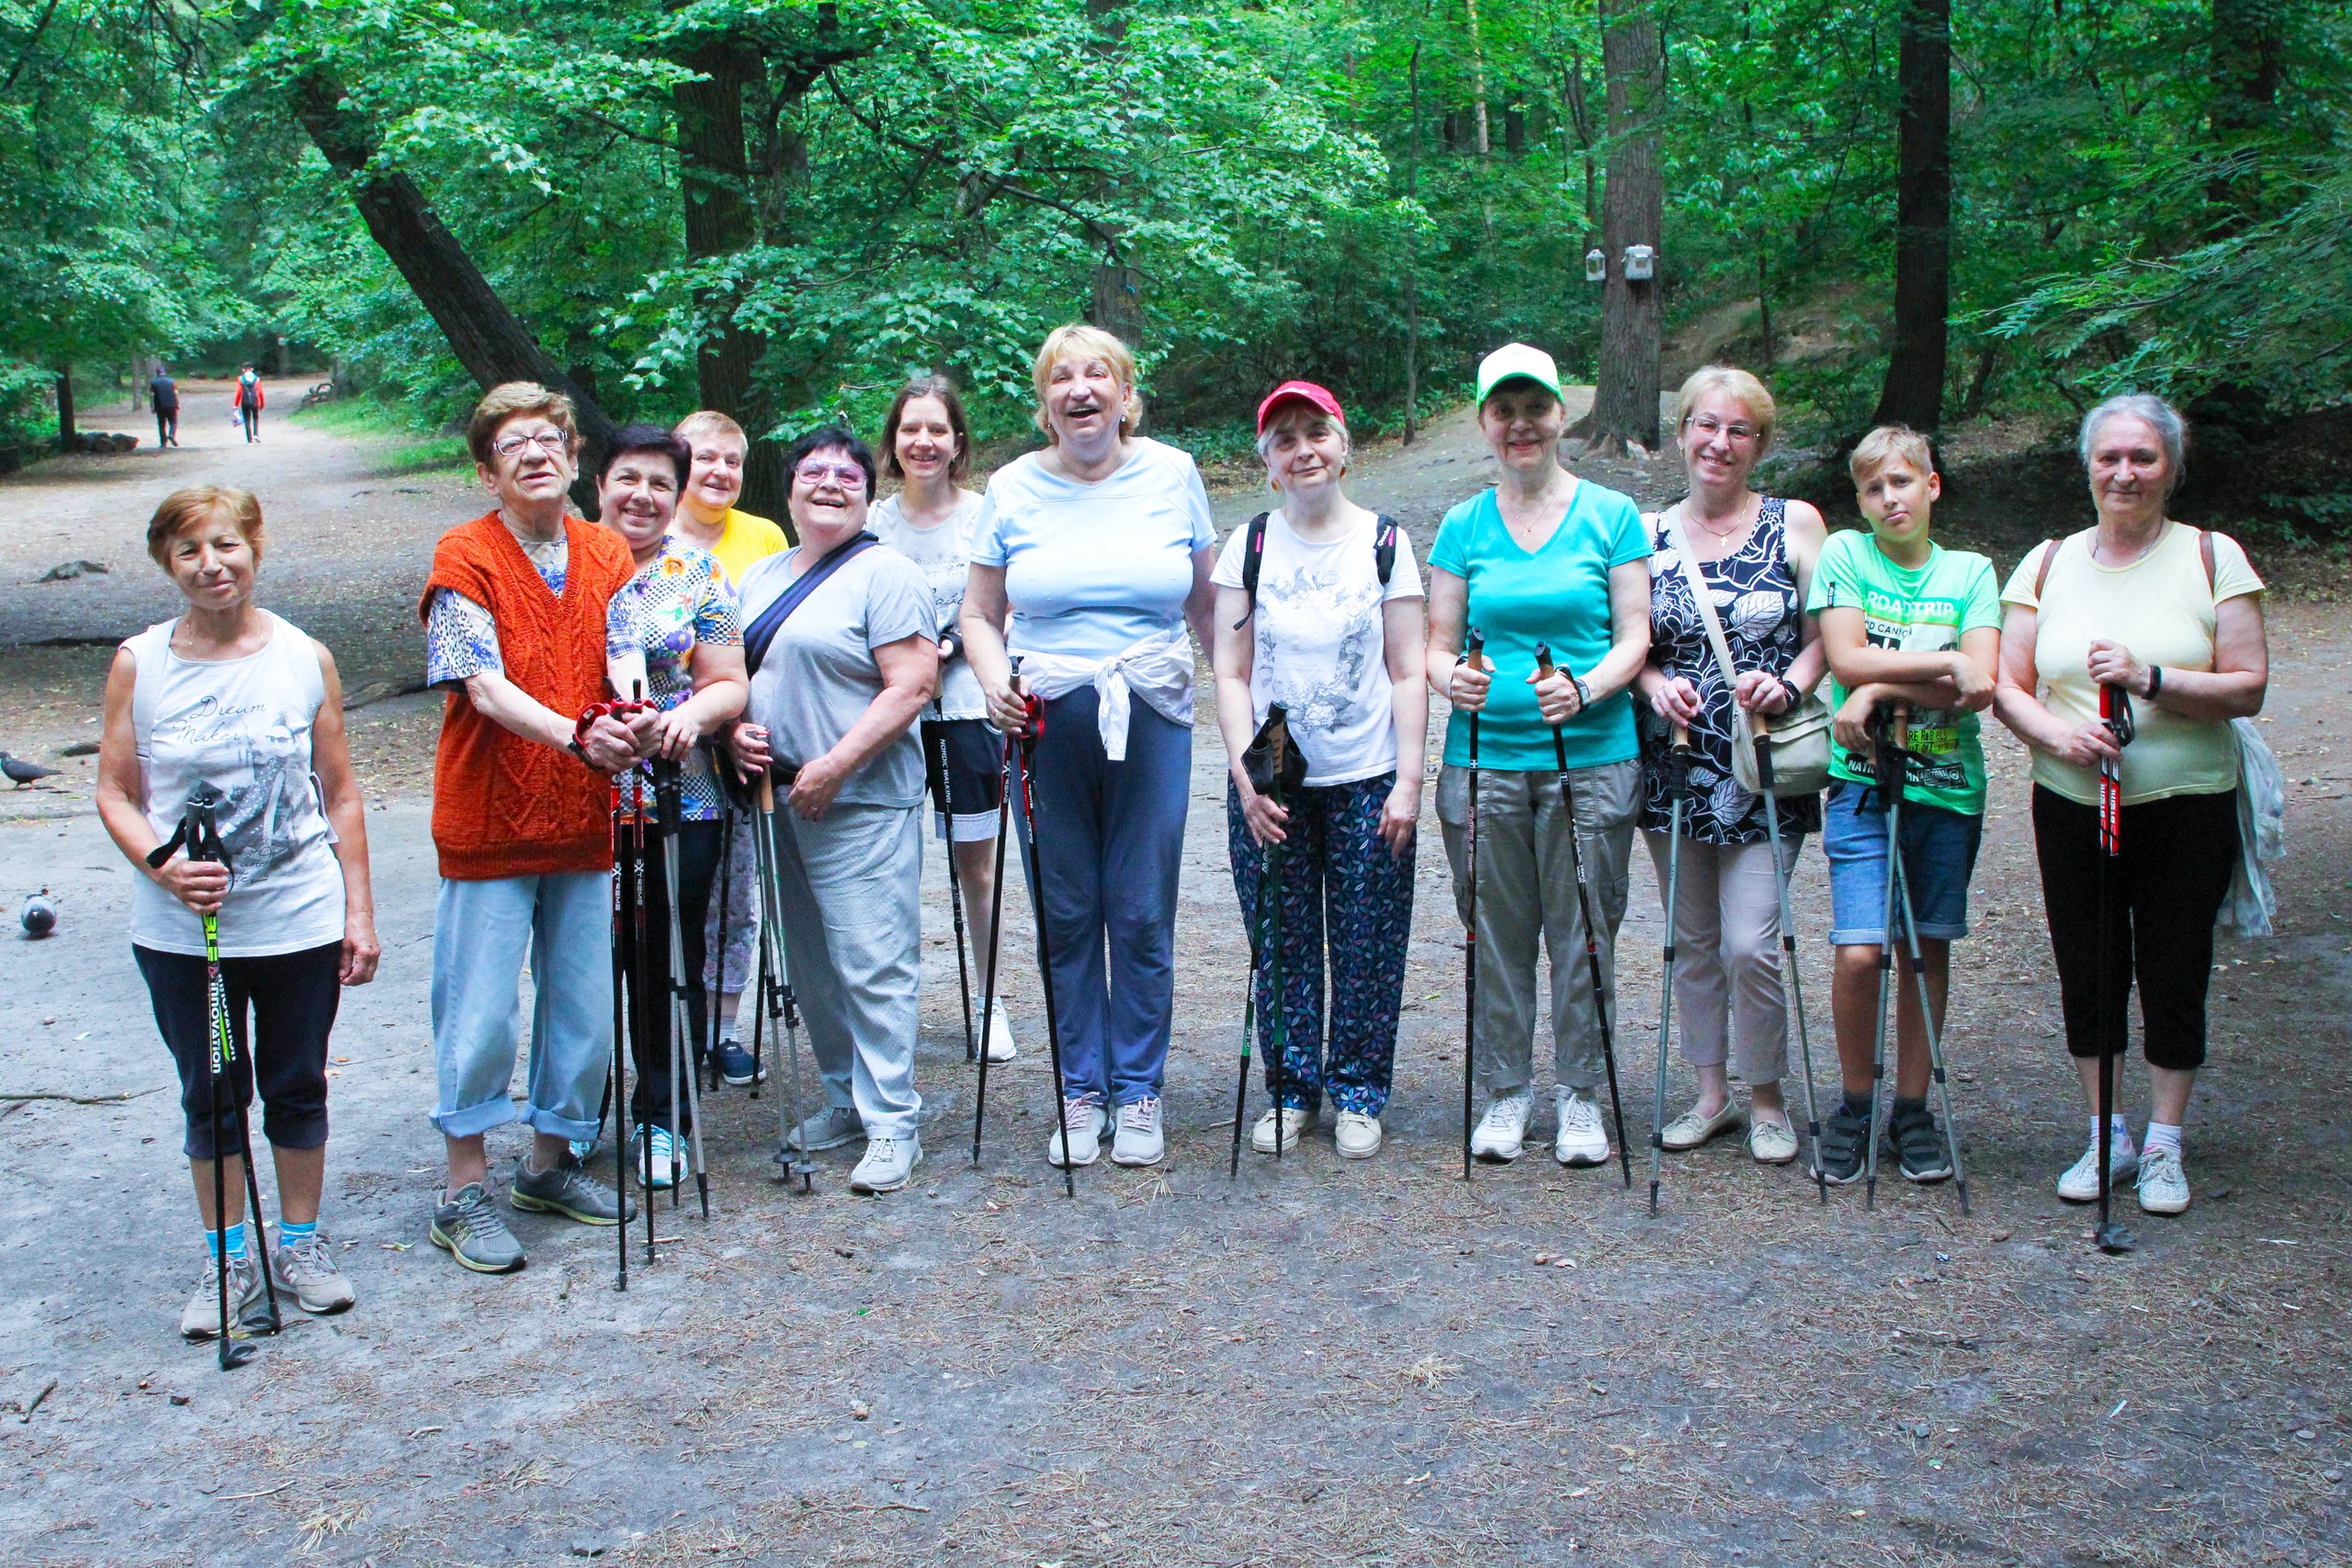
pixel 1318 610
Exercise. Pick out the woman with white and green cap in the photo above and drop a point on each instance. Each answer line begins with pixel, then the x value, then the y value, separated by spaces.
pixel 1541 557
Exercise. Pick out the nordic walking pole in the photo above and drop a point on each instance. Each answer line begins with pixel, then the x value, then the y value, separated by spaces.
pixel 1279 1047
pixel 716 956
pixel 954 887
pixel 1927 1024
pixel 1033 730
pixel 996 941
pixel 1248 1029
pixel 2115 712
pixel 1762 723
pixel 640 989
pixel 783 1008
pixel 670 805
pixel 1474 653
pixel 617 1087
pixel 1891 726
pixel 1591 933
pixel 1678 785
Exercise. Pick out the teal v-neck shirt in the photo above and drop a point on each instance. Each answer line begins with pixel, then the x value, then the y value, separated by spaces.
pixel 1557 594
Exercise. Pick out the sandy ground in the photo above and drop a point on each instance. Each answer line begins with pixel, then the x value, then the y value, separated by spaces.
pixel 1322 1362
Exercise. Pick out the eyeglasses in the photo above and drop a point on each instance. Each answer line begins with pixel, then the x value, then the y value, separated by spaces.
pixel 554 441
pixel 1708 426
pixel 846 476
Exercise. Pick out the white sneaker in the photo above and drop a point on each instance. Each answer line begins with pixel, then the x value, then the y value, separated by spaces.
pixel 1139 1139
pixel 1083 1123
pixel 1296 1123
pixel 201 1320
pixel 1584 1137
pixel 1357 1135
pixel 307 1273
pixel 2163 1186
pixel 1503 1130
pixel 1001 1048
pixel 2080 1184
pixel 829 1128
pixel 663 1160
pixel 887 1164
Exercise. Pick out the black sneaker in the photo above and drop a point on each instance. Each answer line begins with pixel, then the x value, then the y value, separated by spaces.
pixel 735 1064
pixel 1845 1136
pixel 1916 1144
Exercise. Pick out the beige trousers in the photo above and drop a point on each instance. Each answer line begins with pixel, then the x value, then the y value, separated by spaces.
pixel 1727 991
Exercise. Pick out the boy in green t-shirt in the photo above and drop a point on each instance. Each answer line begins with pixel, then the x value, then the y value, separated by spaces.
pixel 1903 621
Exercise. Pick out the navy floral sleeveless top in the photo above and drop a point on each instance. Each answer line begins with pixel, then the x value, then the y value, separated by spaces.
pixel 1756 598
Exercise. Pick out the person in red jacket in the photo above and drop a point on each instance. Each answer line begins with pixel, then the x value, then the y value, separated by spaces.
pixel 517 616
pixel 247 400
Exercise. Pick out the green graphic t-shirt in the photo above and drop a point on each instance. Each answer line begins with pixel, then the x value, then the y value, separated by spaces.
pixel 1922 611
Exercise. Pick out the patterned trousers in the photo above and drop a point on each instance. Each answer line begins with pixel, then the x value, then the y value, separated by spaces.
pixel 1338 877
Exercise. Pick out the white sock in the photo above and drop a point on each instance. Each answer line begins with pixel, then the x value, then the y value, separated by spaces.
pixel 727 1036
pixel 2161 1137
pixel 2122 1132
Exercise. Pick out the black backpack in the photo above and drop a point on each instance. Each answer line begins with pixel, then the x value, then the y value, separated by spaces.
pixel 1253 556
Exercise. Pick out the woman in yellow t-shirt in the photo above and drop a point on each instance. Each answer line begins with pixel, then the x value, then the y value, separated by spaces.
pixel 2173 617
pixel 707 517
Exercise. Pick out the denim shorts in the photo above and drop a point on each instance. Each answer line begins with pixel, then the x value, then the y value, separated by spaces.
pixel 1938 857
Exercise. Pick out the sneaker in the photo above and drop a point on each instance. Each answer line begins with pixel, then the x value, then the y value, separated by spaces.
pixel 887 1164
pixel 2080 1184
pixel 1140 1140
pixel 829 1128
pixel 2164 1185
pixel 1357 1135
pixel 1845 1138
pixel 1503 1129
pixel 306 1271
pixel 473 1232
pixel 1000 1046
pixel 1918 1143
pixel 565 1189
pixel 1294 1124
pixel 735 1064
pixel 582 1148
pixel 1693 1128
pixel 1771 1139
pixel 658 1170
pixel 202 1318
pixel 1583 1137
pixel 1083 1125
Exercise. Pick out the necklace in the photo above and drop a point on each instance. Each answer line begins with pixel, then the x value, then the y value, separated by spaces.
pixel 2162 526
pixel 1738 522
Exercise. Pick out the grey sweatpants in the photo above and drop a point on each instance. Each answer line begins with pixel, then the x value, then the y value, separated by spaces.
pixel 851 885
pixel 1527 893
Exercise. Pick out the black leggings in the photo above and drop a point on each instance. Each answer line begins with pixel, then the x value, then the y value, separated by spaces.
pixel 648 1097
pixel 2175 869
pixel 292 998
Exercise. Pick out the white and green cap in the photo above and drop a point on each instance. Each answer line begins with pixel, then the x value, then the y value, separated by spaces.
pixel 1516 362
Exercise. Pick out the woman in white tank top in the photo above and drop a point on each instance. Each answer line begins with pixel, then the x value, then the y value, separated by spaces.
pixel 232 700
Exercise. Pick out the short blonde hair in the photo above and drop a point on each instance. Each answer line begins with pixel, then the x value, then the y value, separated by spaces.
pixel 1741 387
pixel 709 422
pixel 185 509
pixel 1890 444
pixel 1080 340
pixel 517 400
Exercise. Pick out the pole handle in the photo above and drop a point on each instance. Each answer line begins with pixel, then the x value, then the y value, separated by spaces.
pixel 767 792
pixel 1681 736
pixel 1898 725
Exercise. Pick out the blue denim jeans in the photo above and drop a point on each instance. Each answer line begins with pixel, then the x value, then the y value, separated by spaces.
pixel 1938 858
pixel 481 932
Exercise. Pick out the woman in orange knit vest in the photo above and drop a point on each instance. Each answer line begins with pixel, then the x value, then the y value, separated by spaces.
pixel 517 631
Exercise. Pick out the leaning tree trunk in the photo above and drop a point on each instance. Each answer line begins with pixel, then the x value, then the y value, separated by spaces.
pixel 1632 212
pixel 1913 393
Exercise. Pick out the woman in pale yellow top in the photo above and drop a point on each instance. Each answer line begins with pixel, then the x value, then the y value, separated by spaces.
pixel 707 514
pixel 2171 617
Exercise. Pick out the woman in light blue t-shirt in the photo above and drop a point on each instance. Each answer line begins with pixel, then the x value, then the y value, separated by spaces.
pixel 1100 548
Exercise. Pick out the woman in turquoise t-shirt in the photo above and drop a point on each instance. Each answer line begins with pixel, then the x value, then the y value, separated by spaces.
pixel 1543 556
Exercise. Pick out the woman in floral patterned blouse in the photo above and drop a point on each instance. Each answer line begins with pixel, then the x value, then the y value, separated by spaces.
pixel 684 614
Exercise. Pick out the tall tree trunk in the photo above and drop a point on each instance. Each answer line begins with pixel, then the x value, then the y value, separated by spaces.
pixel 1117 303
pixel 1412 260
pixel 1913 393
pixel 2248 56
pixel 68 438
pixel 714 177
pixel 1632 212
pixel 1478 78
pixel 489 339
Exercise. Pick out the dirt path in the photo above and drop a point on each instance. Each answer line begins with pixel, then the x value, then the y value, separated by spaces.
pixel 1324 1363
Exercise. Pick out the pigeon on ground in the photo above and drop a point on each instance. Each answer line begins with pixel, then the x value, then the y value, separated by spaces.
pixel 23 773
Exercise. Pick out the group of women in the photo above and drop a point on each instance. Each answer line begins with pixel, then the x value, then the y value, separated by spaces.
pixel 893 645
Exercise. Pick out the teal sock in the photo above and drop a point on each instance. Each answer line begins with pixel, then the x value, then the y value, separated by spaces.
pixel 291 1234
pixel 235 1236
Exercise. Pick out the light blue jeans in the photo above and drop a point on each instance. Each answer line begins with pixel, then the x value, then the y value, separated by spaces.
pixel 481 932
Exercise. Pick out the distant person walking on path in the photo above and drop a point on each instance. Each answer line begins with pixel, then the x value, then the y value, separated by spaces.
pixel 164 393
pixel 247 400
pixel 231 699
pixel 1100 545
pixel 519 630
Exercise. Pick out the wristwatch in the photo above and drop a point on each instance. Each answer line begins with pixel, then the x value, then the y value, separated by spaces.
pixel 574 747
pixel 1584 693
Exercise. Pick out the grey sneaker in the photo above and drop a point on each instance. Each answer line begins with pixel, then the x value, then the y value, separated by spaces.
pixel 1079 1140
pixel 887 1164
pixel 1916 1143
pixel 829 1128
pixel 566 1189
pixel 202 1318
pixel 473 1232
pixel 1139 1139
pixel 2163 1186
pixel 307 1273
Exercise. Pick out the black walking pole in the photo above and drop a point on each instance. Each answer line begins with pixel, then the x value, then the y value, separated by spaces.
pixel 1591 932
pixel 635 937
pixel 1033 730
pixel 947 809
pixel 1249 1026
pixel 717 954
pixel 776 965
pixel 669 806
pixel 1678 785
pixel 1474 653
pixel 1762 723
pixel 996 940
pixel 1275 767
pixel 2115 712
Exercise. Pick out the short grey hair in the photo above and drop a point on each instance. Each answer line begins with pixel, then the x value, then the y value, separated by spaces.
pixel 2157 414
pixel 1266 438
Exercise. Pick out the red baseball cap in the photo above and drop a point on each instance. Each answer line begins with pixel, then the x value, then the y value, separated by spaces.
pixel 1298 393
